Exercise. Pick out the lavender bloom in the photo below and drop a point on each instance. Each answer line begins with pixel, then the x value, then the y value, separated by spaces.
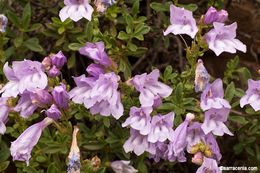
pixel 58 59
pixel 25 105
pixel 96 52
pixel 4 111
pixel 210 140
pixel 53 112
pixel 161 149
pixel 54 71
pixel 41 98
pixel 212 96
pixel 61 96
pixel 201 76
pixel 182 22
pixel 214 122
pixel 21 148
pixel 76 10
pixel 95 70
pixel 150 88
pixel 252 96
pixel 3 23
pixel 138 143
pixel 74 155
pixel 213 15
pixel 139 119
pixel 161 128
pixel 222 39
pixel 123 166
pixel 25 75
pixel 209 165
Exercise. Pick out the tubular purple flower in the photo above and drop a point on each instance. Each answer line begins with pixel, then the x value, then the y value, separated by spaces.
pixel 54 72
pixel 96 52
pixel 58 59
pixel 61 96
pixel 214 122
pixel 213 15
pixel 53 112
pixel 139 119
pixel 122 166
pixel 252 96
pixel 209 165
pixel 201 76
pixel 182 22
pixel 161 128
pixel 210 140
pixel 25 75
pixel 95 70
pixel 150 88
pixel 76 10
pixel 21 148
pixel 222 39
pixel 160 151
pixel 212 96
pixel 4 111
pixel 3 23
pixel 41 98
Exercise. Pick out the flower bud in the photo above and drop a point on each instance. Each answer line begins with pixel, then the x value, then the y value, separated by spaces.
pixel 60 96
pixel 53 112
pixel 123 166
pixel 58 59
pixel 3 23
pixel 95 70
pixel 213 15
pixel 4 111
pixel 197 158
pixel 54 71
pixel 41 98
pixel 190 116
pixel 74 155
pixel 46 62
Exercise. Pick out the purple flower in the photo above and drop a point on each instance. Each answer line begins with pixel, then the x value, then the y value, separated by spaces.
pixel 161 149
pixel 139 119
pixel 210 141
pixel 61 96
pixel 25 105
pixel 201 76
pixel 25 75
pixel 76 10
pixel 213 15
pixel 53 112
pixel 252 96
pixel 4 111
pixel 161 128
pixel 214 122
pixel 100 95
pixel 182 22
pixel 96 51
pixel 212 96
pixel 3 23
pixel 138 143
pixel 58 59
pixel 95 70
pixel 123 166
pixel 222 39
pixel 194 135
pixel 54 71
pixel 40 97
pixel 21 148
pixel 209 165
pixel 150 88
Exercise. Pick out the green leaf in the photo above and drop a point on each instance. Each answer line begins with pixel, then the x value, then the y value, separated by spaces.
pixel 75 46
pixel 94 146
pixel 122 35
pixel 135 8
pixel 4 165
pixel 125 67
pixel 191 7
pixel 71 62
pixel 160 7
pixel 13 18
pixel 33 44
pixel 230 91
pixel 52 168
pixel 178 94
pixel 18 41
pixel 61 30
pixel 26 16
pixel 238 119
pixel 131 46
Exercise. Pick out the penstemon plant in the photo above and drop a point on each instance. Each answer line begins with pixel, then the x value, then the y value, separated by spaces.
pixel 111 120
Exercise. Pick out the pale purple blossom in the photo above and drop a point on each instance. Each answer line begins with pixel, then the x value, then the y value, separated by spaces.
pixel 53 71
pixel 214 122
pixel 150 88
pixel 4 111
pixel 161 128
pixel 21 148
pixel 53 112
pixel 96 51
pixel 3 23
pixel 222 39
pixel 213 96
pixel 41 98
pixel 213 15
pixel 182 22
pixel 201 76
pixel 161 149
pixel 76 10
pixel 58 59
pixel 24 75
pixel 139 119
pixel 138 143
pixel 122 166
pixel 252 96
pixel 209 165
pixel 95 70
pixel 211 141
pixel 61 96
